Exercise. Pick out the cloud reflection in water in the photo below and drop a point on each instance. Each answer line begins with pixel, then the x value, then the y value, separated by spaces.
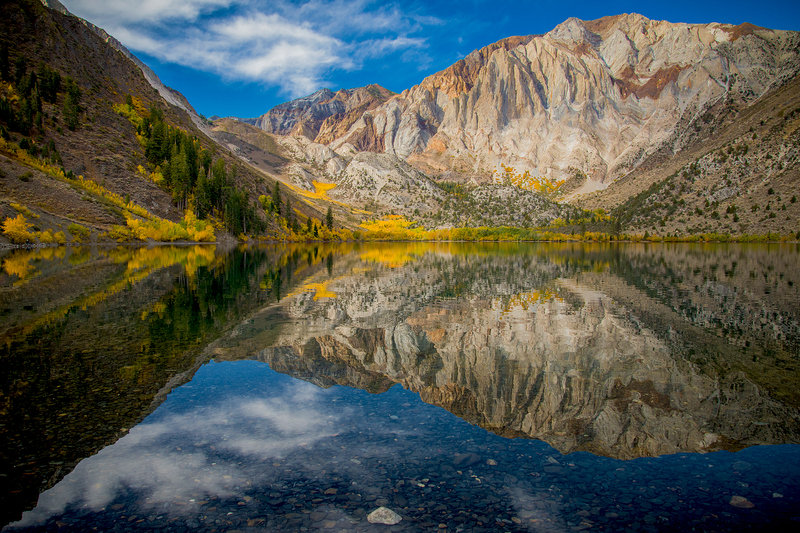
pixel 152 460
pixel 243 446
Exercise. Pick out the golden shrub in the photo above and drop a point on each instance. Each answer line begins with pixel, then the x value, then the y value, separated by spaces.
pixel 16 229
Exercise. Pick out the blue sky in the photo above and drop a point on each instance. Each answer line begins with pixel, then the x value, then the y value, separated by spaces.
pixel 242 57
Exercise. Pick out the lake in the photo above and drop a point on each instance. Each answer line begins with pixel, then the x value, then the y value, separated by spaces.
pixel 465 387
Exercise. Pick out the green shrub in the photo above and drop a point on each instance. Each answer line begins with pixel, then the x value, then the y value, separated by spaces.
pixel 79 233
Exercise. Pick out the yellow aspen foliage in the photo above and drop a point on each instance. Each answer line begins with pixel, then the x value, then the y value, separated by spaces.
pixel 79 233
pixel 46 237
pixel 24 210
pixel 159 229
pixel 525 181
pixel 156 176
pixel 198 230
pixel 393 227
pixel 16 229
pixel 393 256
pixel 320 290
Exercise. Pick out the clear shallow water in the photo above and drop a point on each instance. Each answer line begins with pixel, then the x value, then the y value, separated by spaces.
pixel 320 385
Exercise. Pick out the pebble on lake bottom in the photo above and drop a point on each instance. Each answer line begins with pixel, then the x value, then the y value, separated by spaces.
pixel 384 515
pixel 741 502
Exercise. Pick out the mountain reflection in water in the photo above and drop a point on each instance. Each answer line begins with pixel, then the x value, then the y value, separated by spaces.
pixel 624 351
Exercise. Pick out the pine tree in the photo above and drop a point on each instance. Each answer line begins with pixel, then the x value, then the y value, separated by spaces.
pixel 205 160
pixel 202 197
pixel 156 114
pixel 72 105
pixel 276 197
pixel 25 116
pixel 179 177
pixel 219 182
pixel 190 152
pixel 153 148
pixel 49 83
pixel 329 218
pixel 20 68
pixel 235 212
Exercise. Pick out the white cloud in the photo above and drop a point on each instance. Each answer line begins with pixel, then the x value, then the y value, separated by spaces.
pixel 380 47
pixel 293 47
pixel 260 27
pixel 108 12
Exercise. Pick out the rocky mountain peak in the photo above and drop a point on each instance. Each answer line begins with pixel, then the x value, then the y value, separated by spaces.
pixel 321 112
pixel 574 31
pixel 460 77
pixel 306 102
pixel 597 97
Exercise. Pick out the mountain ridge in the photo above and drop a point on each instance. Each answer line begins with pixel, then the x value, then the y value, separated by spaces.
pixel 588 103
pixel 88 178
pixel 169 94
pixel 649 79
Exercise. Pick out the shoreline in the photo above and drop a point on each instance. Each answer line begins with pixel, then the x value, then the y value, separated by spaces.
pixel 230 244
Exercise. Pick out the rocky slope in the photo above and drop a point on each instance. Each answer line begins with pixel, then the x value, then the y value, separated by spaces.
pixel 738 174
pixel 365 183
pixel 167 93
pixel 101 145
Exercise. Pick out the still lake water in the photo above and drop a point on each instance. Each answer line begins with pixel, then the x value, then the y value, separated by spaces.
pixel 466 387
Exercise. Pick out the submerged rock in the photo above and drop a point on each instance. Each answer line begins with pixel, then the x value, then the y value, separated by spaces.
pixel 741 502
pixel 466 459
pixel 384 515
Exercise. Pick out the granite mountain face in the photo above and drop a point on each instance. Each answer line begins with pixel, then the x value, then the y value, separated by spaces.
pixel 597 96
pixel 589 102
